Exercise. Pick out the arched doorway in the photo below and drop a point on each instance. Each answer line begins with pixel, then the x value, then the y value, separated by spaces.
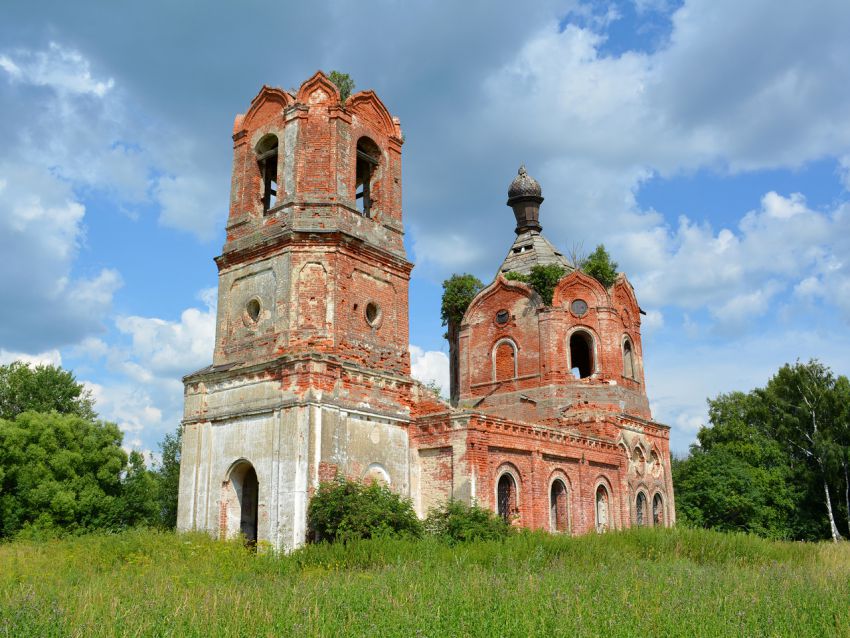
pixel 241 502
pixel 559 514
pixel 506 497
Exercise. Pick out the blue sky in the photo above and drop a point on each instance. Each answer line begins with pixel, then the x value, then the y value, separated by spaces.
pixel 706 143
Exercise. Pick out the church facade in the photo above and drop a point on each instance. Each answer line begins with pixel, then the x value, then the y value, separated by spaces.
pixel 310 377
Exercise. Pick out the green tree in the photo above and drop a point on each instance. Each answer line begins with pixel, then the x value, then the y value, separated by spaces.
pixel 737 478
pixel 346 510
pixel 601 267
pixel 772 458
pixel 140 499
pixel 458 293
pixel 167 473
pixel 60 472
pixel 542 279
pixel 806 405
pixel 43 388
pixel 343 83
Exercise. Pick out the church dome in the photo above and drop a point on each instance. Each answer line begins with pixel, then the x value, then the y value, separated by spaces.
pixel 524 185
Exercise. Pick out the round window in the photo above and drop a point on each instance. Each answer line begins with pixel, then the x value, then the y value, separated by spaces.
pixel 253 309
pixel 373 314
pixel 502 317
pixel 579 307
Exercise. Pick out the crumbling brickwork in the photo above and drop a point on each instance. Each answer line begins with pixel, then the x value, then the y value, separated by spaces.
pixel 310 376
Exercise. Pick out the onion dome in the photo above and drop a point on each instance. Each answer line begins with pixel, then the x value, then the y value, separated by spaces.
pixel 524 185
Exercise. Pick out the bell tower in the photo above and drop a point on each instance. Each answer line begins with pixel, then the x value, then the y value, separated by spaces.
pixel 311 371
pixel 314 259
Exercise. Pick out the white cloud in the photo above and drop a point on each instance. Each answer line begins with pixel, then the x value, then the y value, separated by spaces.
pixel 430 366
pixel 653 321
pixel 49 357
pixel 43 305
pixel 738 273
pixel 89 131
pixel 188 202
pixel 131 408
pixel 144 394
pixel 62 69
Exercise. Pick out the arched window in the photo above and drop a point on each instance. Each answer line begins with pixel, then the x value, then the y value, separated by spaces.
pixel 368 159
pixel 602 507
pixel 506 497
pixel 267 161
pixel 628 360
pixel 657 510
pixel 641 510
pixel 581 354
pixel 376 473
pixel 559 514
pixel 504 360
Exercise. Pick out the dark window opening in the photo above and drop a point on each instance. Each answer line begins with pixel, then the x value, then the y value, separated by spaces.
pixel 502 317
pixel 368 155
pixel 267 161
pixel 581 354
pixel 507 497
pixel 558 512
pixel 253 309
pixel 628 360
pixel 641 514
pixel 373 314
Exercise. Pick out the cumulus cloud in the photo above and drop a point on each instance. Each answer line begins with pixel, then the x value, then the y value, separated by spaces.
pixel 430 366
pixel 88 131
pixel 144 392
pixel 172 347
pixel 57 67
pixel 43 305
pixel 738 272
pixel 49 357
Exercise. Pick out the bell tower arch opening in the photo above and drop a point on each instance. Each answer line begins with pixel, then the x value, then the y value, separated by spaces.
pixel 267 162
pixel 368 161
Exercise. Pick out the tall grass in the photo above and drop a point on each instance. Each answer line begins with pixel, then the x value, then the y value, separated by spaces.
pixel 638 583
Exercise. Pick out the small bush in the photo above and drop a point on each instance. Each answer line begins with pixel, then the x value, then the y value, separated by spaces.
pixel 542 278
pixel 456 522
pixel 346 510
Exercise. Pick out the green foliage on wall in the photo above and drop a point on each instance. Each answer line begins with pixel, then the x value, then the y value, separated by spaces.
pixel 600 266
pixel 343 83
pixel 542 278
pixel 458 293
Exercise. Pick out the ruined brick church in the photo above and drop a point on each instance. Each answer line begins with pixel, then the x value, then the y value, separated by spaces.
pixel 310 376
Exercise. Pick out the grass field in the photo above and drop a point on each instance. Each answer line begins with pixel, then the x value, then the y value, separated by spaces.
pixel 637 583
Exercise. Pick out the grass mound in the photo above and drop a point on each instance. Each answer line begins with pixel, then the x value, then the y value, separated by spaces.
pixel 641 582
